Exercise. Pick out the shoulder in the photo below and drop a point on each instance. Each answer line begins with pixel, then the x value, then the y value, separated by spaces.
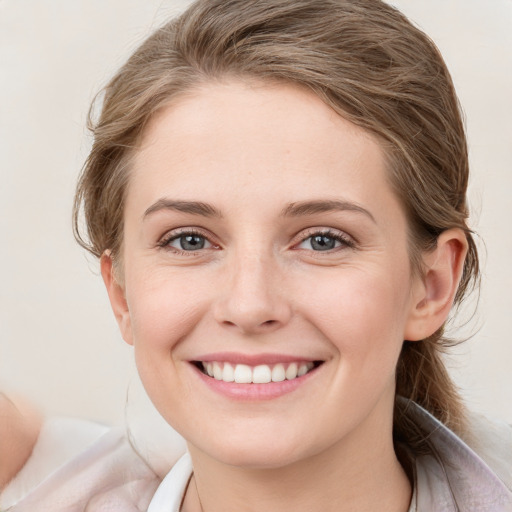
pixel 19 429
pixel 492 441
pixel 470 475
pixel 59 440
pixel 77 466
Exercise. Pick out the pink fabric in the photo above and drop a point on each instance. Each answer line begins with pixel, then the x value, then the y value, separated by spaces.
pixel 107 477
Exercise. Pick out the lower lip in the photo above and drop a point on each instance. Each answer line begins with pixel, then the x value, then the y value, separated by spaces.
pixel 253 392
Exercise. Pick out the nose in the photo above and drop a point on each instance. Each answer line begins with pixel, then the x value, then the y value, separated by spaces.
pixel 252 298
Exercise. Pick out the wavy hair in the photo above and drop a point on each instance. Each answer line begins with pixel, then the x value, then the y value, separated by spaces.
pixel 365 60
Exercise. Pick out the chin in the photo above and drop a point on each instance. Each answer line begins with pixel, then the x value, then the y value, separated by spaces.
pixel 254 451
pixel 258 457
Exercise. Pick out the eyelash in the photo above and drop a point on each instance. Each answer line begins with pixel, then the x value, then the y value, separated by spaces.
pixel 164 242
pixel 345 240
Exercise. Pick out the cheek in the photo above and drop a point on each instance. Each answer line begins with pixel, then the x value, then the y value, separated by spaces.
pixel 361 312
pixel 164 307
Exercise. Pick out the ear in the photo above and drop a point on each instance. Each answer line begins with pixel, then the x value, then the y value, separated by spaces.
pixel 433 294
pixel 116 294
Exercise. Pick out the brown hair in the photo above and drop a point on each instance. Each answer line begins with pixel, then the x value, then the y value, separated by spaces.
pixel 361 57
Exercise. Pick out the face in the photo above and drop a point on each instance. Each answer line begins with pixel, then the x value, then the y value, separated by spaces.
pixel 266 286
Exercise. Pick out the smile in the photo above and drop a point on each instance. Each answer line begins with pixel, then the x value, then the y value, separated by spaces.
pixel 260 374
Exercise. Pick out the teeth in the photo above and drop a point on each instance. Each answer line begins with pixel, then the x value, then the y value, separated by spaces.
pixel 243 374
pixel 217 371
pixel 303 369
pixel 228 373
pixel 291 371
pixel 261 374
pixel 278 374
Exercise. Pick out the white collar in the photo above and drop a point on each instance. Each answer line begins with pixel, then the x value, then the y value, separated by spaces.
pixel 170 492
pixel 452 477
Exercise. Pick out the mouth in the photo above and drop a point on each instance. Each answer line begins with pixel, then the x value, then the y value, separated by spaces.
pixel 258 374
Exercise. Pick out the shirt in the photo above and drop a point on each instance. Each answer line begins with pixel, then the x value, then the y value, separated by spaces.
pixel 109 475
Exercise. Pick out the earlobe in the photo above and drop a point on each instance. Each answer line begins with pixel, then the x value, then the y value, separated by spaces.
pixel 433 295
pixel 116 295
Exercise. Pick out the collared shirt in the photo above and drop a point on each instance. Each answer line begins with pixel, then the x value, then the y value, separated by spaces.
pixel 171 491
pixel 110 475
pixel 452 477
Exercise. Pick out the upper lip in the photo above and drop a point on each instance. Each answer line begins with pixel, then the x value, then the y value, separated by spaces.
pixel 253 359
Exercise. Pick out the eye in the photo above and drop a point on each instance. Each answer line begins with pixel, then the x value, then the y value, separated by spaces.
pixel 325 241
pixel 186 242
pixel 189 242
pixel 320 243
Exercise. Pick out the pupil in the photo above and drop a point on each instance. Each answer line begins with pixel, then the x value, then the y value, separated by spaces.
pixel 322 243
pixel 192 242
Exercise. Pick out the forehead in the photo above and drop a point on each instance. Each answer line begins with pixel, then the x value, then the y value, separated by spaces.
pixel 279 142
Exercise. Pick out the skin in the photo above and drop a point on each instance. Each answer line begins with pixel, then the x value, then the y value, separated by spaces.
pixel 20 423
pixel 251 151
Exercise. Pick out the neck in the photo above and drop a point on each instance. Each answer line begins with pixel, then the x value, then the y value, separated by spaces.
pixel 351 475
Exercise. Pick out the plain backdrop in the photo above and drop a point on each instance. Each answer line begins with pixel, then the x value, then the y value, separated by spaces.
pixel 59 344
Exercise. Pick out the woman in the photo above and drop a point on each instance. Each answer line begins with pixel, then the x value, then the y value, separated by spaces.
pixel 277 196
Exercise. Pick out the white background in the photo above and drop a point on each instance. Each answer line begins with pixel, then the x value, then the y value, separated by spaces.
pixel 59 344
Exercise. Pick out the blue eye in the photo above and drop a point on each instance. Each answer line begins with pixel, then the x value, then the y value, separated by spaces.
pixel 323 242
pixel 189 242
pixel 320 243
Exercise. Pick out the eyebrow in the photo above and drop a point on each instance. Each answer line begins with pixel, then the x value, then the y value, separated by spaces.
pixel 298 209
pixel 304 208
pixel 193 207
